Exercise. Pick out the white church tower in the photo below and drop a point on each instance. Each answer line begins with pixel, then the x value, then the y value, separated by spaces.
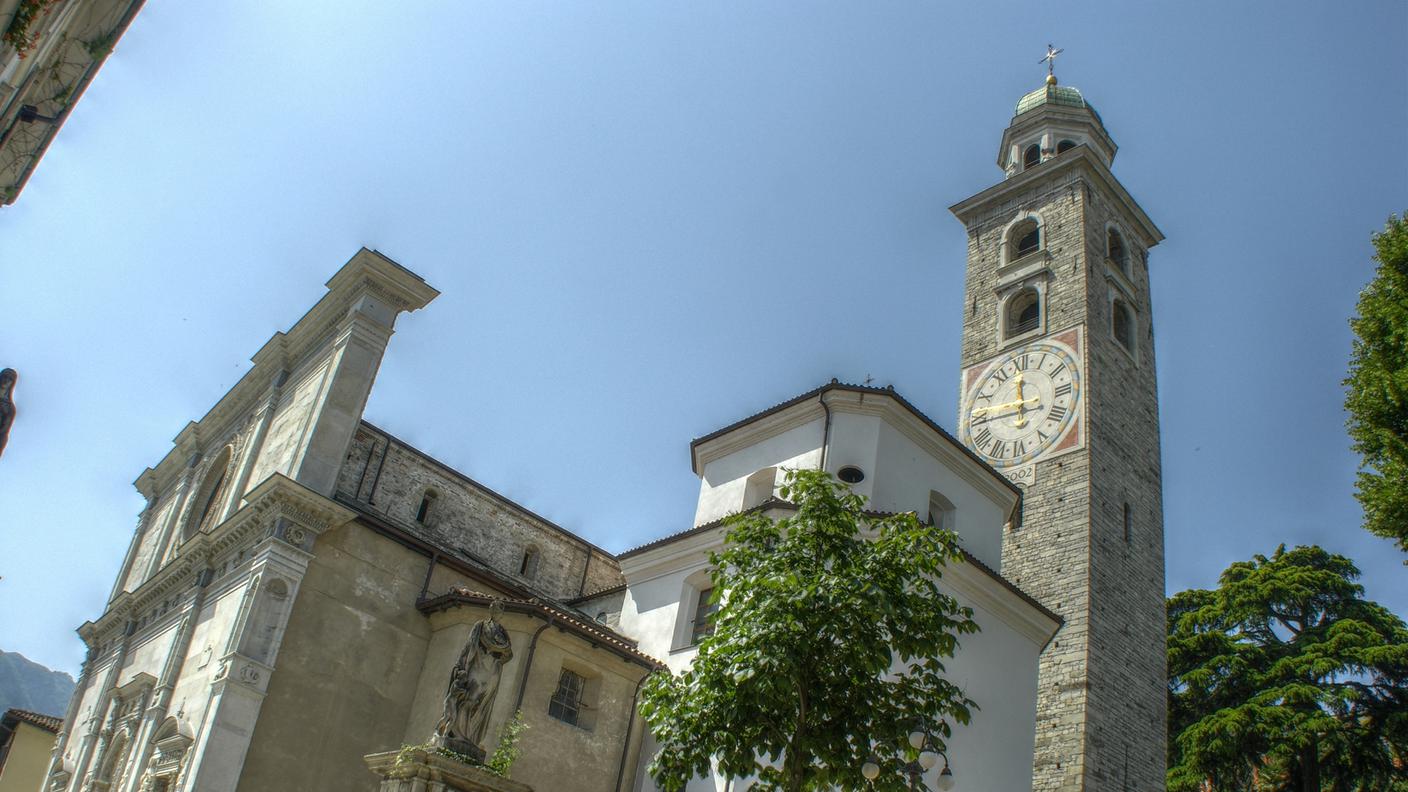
pixel 1058 392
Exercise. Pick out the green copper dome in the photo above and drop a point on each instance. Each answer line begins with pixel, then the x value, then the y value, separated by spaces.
pixel 1051 93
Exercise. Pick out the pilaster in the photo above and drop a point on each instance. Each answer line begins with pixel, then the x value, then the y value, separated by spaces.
pixel 291 519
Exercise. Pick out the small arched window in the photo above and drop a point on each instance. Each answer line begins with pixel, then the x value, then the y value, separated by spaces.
pixel 427 502
pixel 1032 156
pixel 1122 325
pixel 1024 239
pixel 759 487
pixel 1115 251
pixel 1023 313
pixel 1064 146
pixel 941 511
pixel 705 606
pixel 528 566
pixel 694 619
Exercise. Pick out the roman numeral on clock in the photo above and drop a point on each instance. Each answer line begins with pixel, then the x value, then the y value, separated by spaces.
pixel 1057 413
pixel 1062 390
pixel 984 437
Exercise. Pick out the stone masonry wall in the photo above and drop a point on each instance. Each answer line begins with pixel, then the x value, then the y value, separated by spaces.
pixel 1049 556
pixel 1101 691
pixel 1128 683
pixel 390 478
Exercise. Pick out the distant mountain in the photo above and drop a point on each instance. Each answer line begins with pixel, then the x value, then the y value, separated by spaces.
pixel 24 684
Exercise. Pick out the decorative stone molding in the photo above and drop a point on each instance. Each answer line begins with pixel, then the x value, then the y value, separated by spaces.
pixel 366 273
pixel 418 770
pixel 167 761
pixel 280 508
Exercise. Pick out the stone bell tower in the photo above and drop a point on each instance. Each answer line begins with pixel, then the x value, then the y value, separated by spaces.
pixel 1058 393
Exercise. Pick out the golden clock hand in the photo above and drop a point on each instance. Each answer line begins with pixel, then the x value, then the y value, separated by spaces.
pixel 1001 407
pixel 1021 405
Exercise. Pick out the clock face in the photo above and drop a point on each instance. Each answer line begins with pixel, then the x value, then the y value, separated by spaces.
pixel 1022 404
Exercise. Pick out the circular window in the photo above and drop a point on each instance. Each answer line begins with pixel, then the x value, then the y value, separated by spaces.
pixel 851 474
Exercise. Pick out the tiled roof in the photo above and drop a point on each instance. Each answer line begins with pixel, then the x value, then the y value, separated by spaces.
pixel 598 593
pixel 708 526
pixel 585 629
pixel 49 723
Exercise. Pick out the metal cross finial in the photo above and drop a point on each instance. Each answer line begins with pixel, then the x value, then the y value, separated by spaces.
pixel 868 380
pixel 1050 59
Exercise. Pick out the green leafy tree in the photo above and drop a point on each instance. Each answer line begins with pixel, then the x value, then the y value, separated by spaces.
pixel 1286 678
pixel 1378 387
pixel 795 683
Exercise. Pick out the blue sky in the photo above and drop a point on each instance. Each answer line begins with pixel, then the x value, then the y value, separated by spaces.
pixel 651 219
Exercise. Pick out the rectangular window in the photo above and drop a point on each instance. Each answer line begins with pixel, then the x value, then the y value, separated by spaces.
pixel 1128 522
pixel 703 616
pixel 566 703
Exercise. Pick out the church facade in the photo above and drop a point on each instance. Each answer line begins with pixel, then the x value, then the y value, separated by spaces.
pixel 301 582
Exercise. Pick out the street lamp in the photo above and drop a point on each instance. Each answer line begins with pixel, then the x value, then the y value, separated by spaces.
pixel 921 741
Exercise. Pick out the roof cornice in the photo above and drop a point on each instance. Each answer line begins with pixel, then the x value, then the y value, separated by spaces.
pixel 1081 158
pixel 367 273
pixel 919 427
pixel 592 633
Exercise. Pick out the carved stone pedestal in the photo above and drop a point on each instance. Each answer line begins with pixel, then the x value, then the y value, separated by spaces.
pixel 423 771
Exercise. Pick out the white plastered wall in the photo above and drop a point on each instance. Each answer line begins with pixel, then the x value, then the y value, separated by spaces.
pixel 724 481
pixel 996 667
pixel 899 475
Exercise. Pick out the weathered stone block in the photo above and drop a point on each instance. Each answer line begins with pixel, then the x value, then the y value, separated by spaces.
pixel 418 770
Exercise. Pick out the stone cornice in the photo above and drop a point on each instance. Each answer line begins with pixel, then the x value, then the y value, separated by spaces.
pixel 563 619
pixel 279 506
pixel 366 273
pixel 691 548
pixel 763 428
pixel 1084 161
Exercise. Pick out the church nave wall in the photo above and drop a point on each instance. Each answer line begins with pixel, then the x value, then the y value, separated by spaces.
pixel 393 480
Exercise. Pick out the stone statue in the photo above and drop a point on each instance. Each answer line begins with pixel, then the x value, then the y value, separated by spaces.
pixel 7 404
pixel 474 685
